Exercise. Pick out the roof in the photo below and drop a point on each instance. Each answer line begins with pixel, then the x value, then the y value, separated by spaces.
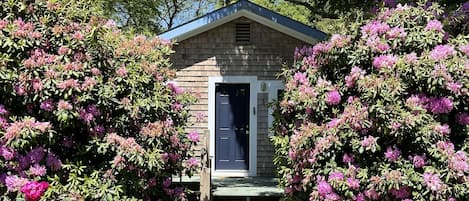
pixel 249 10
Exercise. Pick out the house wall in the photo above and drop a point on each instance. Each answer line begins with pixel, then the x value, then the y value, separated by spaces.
pixel 215 53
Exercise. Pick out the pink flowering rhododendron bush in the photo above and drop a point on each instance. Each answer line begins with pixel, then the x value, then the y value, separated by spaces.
pixel 87 113
pixel 378 114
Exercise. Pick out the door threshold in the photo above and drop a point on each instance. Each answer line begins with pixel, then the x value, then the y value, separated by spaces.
pixel 231 173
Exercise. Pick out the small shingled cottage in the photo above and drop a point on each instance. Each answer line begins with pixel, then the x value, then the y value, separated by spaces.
pixel 231 58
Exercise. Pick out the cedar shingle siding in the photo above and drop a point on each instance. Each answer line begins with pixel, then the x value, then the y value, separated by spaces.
pixel 216 53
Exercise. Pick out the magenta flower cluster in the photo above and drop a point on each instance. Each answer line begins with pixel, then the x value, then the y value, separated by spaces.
pixel 34 190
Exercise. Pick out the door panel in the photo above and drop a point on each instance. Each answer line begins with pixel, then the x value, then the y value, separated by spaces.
pixel 232 127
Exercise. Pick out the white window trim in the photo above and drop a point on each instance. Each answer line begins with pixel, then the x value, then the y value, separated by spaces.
pixel 254 89
pixel 273 86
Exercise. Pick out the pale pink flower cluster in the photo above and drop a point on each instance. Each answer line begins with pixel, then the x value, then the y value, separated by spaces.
pixel 355 74
pixel 64 105
pixel 154 129
pixel 200 116
pixel 396 32
pixel 377 44
pixel 7 153
pixel 465 49
pixel 333 123
pixel 326 191
pixel 353 183
pixel 321 48
pixel 458 162
pixel 68 84
pixel 37 170
pixel 374 28
pixel 434 25
pixel 192 163
pixel 122 72
pixel 372 194
pixel 302 52
pixel 25 30
pixel 76 66
pixel 355 115
pixel 77 35
pixel 333 97
pixel 455 87
pixel 306 92
pixel 175 89
pixel 3 24
pixel 335 176
pixel 193 136
pixel 110 24
pixel 384 61
pixel 369 142
pixel 321 145
pixel 14 183
pixel 392 154
pixel 64 50
pixel 88 84
pixel 441 52
pixel 39 58
pixel 411 58
pixel 118 161
pixel 339 41
pixel 418 161
pixel 126 144
pixel 443 129
pixel 300 78
pixel 440 70
pixel 14 130
pixel 37 85
pixel 51 74
pixel 445 147
pixel 432 181
pixel 95 71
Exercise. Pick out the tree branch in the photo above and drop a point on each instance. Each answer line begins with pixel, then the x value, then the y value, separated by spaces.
pixel 314 10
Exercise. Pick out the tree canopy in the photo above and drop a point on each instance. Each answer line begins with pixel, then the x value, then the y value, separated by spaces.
pixel 151 16
pixel 333 16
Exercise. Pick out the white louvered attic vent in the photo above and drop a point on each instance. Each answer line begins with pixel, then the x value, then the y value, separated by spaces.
pixel 243 33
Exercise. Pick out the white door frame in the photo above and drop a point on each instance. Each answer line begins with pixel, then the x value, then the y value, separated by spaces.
pixel 253 90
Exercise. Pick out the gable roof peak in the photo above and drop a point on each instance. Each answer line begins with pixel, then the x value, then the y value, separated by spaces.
pixel 245 8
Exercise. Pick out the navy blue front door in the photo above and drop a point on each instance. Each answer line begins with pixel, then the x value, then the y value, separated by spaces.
pixel 232 127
